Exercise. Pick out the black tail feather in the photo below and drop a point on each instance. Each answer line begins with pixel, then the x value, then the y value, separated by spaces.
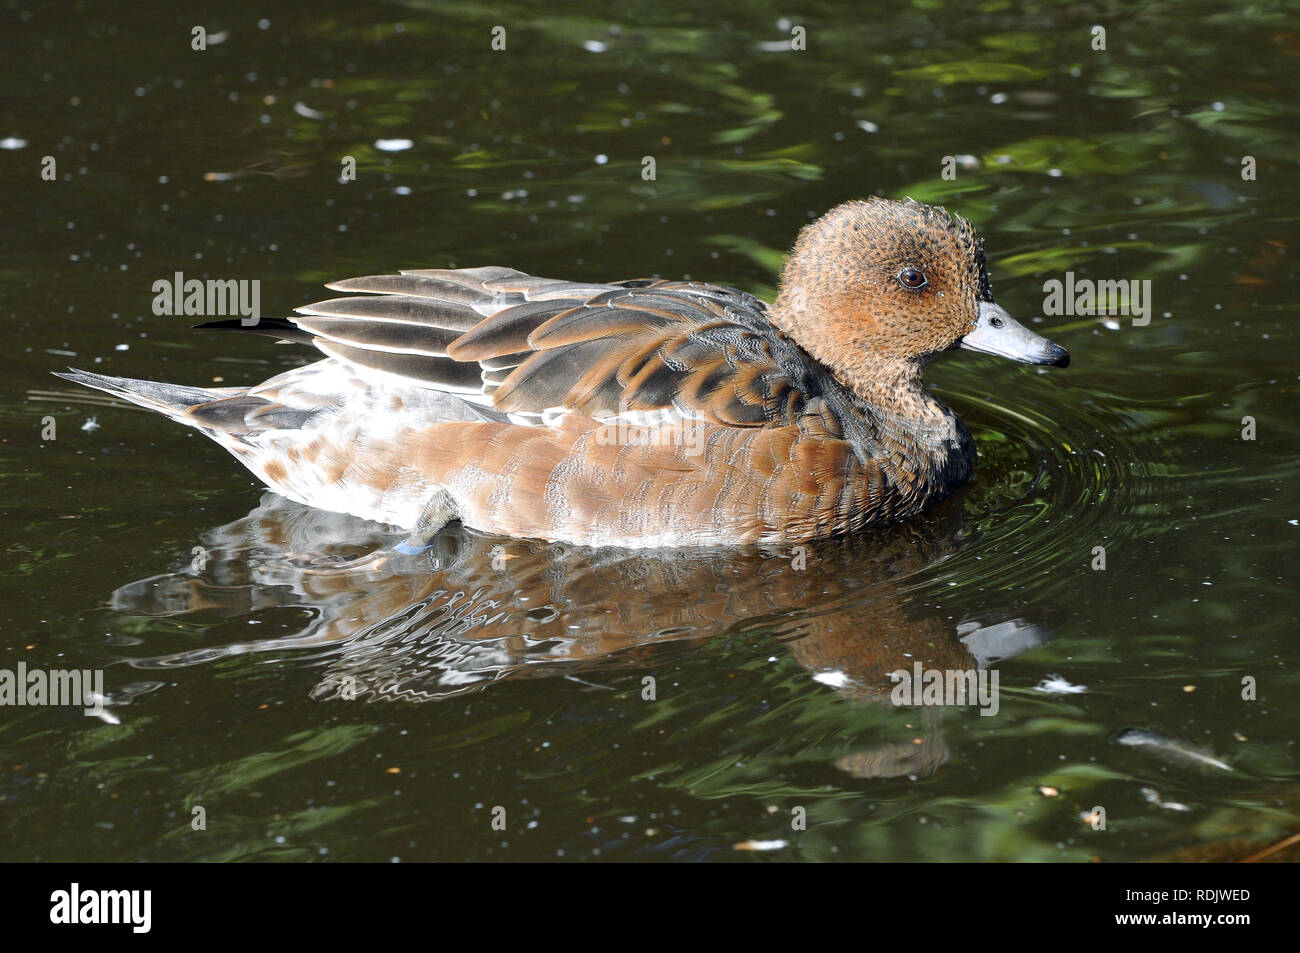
pixel 280 328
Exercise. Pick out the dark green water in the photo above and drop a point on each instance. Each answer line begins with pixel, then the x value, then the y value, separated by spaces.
pixel 517 681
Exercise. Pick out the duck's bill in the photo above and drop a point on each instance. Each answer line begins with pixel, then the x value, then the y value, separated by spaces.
pixel 998 333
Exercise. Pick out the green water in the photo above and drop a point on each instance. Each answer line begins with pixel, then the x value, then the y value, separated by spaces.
pixel 492 673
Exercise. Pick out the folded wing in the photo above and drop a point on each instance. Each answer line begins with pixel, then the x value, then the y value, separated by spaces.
pixel 536 347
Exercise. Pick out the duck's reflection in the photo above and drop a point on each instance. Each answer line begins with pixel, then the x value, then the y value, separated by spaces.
pixel 473 609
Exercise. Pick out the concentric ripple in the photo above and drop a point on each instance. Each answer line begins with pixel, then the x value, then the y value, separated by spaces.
pixel 1055 479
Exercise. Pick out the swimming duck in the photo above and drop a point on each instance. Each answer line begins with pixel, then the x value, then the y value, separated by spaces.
pixel 639 413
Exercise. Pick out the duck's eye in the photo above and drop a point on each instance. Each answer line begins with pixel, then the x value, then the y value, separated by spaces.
pixel 911 278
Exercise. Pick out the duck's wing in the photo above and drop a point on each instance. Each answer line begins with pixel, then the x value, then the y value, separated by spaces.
pixel 537 347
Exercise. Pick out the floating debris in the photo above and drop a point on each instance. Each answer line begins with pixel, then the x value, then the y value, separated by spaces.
pixel 1272 849
pixel 1153 797
pixel 1170 748
pixel 1055 685
pixel 761 845
pixel 97 702
pixel 833 679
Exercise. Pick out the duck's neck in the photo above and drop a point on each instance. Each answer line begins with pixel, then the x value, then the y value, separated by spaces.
pixel 907 426
pixel 896 421
pixel 896 388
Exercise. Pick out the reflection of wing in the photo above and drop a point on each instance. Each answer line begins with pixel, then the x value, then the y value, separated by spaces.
pixel 550 607
pixel 529 345
pixel 475 610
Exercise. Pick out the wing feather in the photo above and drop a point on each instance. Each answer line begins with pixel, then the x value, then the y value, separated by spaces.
pixel 530 346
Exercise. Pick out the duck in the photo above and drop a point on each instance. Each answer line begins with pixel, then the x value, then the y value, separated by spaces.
pixel 638 414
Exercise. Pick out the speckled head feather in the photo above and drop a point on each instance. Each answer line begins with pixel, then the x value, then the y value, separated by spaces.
pixel 842 297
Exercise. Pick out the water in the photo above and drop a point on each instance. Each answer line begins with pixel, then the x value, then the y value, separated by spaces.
pixel 321 699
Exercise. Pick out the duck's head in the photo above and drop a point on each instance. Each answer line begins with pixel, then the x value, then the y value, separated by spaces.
pixel 877 288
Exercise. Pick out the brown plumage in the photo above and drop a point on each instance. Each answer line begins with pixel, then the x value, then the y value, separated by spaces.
pixel 635 413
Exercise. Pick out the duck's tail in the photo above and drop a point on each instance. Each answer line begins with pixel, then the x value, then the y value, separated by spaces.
pixel 172 400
